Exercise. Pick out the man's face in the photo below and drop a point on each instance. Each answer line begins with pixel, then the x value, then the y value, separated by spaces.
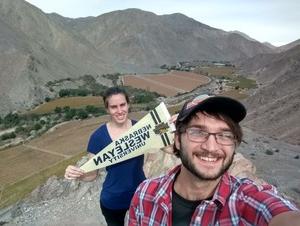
pixel 118 108
pixel 207 160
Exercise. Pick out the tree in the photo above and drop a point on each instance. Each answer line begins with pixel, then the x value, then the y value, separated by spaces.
pixel 11 119
pixel 37 126
pixel 7 136
pixel 82 114
pixel 66 108
pixel 91 109
pixel 47 99
pixel 57 110
pixel 70 114
pixel 64 92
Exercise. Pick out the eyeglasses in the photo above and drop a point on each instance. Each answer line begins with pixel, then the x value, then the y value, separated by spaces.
pixel 198 135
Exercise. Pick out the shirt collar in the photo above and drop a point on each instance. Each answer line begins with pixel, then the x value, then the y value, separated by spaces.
pixel 220 196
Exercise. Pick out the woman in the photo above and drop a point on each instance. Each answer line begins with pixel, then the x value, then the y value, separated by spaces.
pixel 122 178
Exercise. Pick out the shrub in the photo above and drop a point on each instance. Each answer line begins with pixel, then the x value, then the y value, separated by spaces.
pixel 47 99
pixel 43 122
pixel 91 109
pixel 58 110
pixel 11 119
pixel 82 114
pixel 21 130
pixel 66 108
pixel 64 92
pixel 269 152
pixel 37 126
pixel 7 136
pixel 73 92
pixel 143 98
pixel 70 114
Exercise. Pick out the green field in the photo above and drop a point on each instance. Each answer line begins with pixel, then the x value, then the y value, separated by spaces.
pixel 72 102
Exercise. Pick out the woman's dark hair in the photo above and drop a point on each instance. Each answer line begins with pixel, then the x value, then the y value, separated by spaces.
pixel 113 91
pixel 234 127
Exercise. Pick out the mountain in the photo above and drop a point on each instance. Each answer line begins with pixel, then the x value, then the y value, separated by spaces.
pixel 34 50
pixel 143 38
pixel 274 108
pixel 244 35
pixel 37 47
pixel 289 45
pixel 270 46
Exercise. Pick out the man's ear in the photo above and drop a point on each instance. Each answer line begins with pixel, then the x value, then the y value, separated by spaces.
pixel 177 141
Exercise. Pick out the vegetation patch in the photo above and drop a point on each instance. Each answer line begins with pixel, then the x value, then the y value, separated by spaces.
pixel 14 192
pixel 239 82
pixel 218 72
pixel 234 94
pixel 72 102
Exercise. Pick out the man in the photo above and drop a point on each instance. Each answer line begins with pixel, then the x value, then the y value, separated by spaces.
pixel 200 191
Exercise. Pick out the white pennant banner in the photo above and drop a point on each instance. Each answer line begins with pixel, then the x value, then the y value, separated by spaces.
pixel 153 131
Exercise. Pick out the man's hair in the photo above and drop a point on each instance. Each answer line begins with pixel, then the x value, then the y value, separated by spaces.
pixel 234 127
pixel 113 91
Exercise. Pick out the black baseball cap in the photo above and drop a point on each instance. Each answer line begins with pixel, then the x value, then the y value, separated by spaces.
pixel 213 104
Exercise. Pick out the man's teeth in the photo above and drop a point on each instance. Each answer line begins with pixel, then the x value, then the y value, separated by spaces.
pixel 208 159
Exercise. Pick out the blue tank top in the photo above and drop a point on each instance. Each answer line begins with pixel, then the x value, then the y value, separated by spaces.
pixel 122 178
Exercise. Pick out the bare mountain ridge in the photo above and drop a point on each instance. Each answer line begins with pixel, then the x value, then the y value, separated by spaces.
pixel 274 108
pixel 145 38
pixel 36 50
pixel 289 45
pixel 39 47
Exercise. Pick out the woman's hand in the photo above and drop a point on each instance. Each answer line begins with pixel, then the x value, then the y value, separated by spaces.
pixel 173 118
pixel 73 172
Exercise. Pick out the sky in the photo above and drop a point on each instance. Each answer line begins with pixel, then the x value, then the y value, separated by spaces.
pixel 273 21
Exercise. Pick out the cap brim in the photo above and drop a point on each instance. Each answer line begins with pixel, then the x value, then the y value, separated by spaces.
pixel 217 104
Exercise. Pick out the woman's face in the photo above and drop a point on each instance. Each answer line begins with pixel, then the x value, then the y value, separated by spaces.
pixel 117 108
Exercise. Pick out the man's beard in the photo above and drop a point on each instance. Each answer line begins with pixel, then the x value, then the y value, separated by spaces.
pixel 188 164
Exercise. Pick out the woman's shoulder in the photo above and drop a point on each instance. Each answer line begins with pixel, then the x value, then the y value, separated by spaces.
pixel 133 121
pixel 100 130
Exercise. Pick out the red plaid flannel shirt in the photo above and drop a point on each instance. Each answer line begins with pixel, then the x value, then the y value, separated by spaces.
pixel 235 202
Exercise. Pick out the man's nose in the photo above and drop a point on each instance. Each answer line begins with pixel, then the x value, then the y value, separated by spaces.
pixel 211 143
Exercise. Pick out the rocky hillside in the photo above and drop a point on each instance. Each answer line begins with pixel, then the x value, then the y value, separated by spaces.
pixel 274 107
pixel 38 47
pixel 63 202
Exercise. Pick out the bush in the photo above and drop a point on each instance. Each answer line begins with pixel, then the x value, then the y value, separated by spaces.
pixel 91 109
pixel 66 109
pixel 58 110
pixel 143 98
pixel 7 136
pixel 269 152
pixel 64 92
pixel 81 92
pixel 70 114
pixel 47 99
pixel 43 122
pixel 11 119
pixel 37 126
pixel 73 92
pixel 82 114
pixel 20 129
